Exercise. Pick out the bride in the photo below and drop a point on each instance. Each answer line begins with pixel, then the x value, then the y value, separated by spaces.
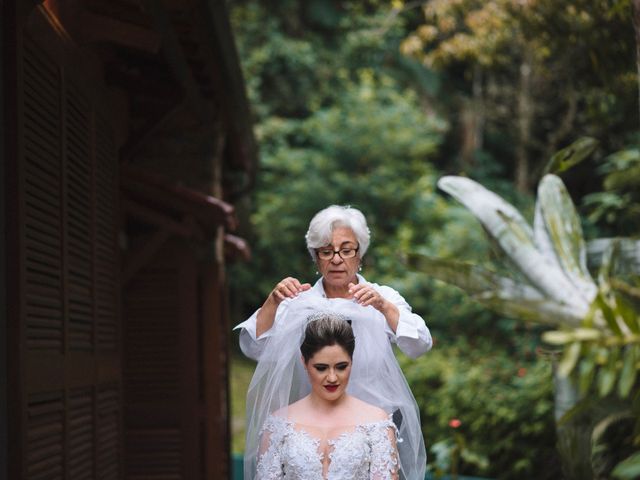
pixel 328 433
pixel 315 412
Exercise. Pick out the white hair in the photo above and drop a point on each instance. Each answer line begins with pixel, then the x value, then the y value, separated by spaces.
pixel 325 221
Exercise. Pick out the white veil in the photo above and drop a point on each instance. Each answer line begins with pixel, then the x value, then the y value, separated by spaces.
pixel 376 378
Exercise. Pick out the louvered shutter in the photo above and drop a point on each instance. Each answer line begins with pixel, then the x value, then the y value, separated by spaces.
pixel 69 419
pixel 163 415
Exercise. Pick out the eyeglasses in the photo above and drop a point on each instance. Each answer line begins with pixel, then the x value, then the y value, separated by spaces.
pixel 343 253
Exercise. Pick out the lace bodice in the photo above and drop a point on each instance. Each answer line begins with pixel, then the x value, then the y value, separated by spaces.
pixel 361 452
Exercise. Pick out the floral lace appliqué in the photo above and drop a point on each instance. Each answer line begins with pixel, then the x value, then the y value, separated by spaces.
pixel 366 452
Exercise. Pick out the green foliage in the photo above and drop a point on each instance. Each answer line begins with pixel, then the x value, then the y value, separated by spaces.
pixel 534 72
pixel 347 132
pixel 343 118
pixel 617 207
pixel 341 155
pixel 629 469
pixel 598 320
pixel 504 405
pixel 239 380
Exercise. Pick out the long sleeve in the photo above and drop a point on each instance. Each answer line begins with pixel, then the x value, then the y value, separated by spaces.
pixel 250 345
pixel 270 457
pixel 412 335
pixel 384 454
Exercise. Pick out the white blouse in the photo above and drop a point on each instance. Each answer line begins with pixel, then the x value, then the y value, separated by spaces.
pixel 412 335
pixel 361 452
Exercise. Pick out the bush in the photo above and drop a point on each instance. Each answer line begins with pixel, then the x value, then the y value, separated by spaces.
pixel 498 409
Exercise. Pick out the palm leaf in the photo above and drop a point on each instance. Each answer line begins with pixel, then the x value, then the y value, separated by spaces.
pixel 563 232
pixel 498 293
pixel 572 155
pixel 509 228
pixel 628 469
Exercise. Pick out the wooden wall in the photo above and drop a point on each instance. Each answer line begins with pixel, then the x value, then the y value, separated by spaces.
pixel 167 410
pixel 109 377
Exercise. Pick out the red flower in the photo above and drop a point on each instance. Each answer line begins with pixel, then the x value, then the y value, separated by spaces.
pixel 454 423
pixel 522 372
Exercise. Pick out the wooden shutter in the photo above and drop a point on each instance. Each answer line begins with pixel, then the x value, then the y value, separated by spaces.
pixel 164 412
pixel 42 201
pixel 68 420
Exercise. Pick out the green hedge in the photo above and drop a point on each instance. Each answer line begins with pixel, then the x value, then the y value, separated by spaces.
pixel 485 412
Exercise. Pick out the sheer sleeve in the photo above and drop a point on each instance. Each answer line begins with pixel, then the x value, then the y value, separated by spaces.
pixel 270 453
pixel 384 452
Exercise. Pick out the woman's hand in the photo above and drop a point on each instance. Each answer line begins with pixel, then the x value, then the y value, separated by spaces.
pixel 366 295
pixel 287 288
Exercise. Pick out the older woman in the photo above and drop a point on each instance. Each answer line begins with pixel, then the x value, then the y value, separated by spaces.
pixel 337 239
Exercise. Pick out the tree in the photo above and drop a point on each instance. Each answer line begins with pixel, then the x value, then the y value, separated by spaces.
pixel 336 124
pixel 521 65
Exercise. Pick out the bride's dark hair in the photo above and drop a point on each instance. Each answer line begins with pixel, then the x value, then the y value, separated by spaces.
pixel 325 330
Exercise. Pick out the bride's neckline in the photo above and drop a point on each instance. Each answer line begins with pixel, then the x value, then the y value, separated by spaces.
pixel 338 431
pixel 330 436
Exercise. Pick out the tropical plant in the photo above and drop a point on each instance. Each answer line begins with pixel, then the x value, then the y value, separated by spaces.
pixel 618 205
pixel 595 320
pixel 485 411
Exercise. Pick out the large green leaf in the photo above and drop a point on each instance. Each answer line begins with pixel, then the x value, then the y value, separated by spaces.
pixel 608 373
pixel 629 371
pixel 541 311
pixel 561 337
pixel 628 469
pixel 467 276
pixel 515 236
pixel 625 310
pixel 498 293
pixel 556 212
pixel 572 155
pixel 569 359
pixel 586 373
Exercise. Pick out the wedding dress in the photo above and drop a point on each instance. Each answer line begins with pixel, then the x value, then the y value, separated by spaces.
pixel 280 380
pixel 360 452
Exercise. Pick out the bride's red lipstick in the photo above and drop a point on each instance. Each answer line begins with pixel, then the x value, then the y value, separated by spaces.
pixel 331 388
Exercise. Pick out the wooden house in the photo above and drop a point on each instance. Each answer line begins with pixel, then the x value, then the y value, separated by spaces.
pixel 126 140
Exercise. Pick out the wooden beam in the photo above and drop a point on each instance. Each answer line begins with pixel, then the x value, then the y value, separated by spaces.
pixel 138 139
pixel 217 33
pixel 151 217
pixel 236 248
pixel 98 28
pixel 177 60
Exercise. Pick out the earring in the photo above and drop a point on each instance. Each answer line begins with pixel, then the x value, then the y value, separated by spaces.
pixel 359 268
